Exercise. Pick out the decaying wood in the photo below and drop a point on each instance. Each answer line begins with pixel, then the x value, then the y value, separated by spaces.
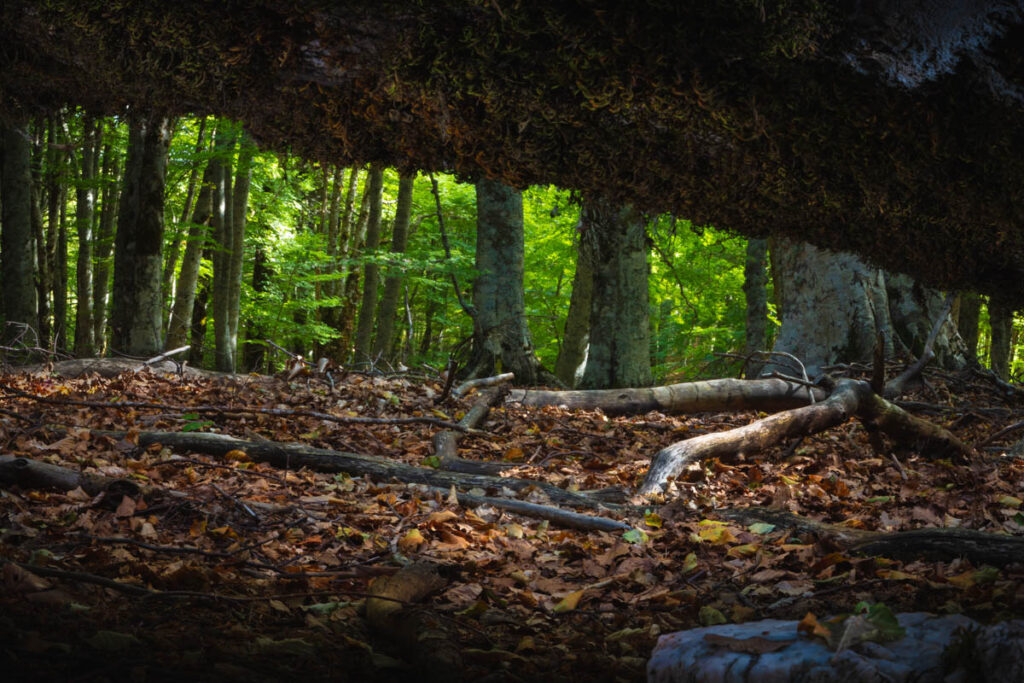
pixel 850 398
pixel 481 382
pixel 445 442
pixel 112 367
pixel 716 395
pixel 426 639
pixel 979 547
pixel 295 456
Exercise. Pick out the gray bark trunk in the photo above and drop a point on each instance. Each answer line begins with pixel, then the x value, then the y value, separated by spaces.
pixel 239 208
pixel 573 354
pixel 57 237
pixel 1000 317
pixel 188 276
pixel 44 275
pixel 913 310
pixel 16 241
pixel 181 229
pixel 138 263
pixel 85 205
pixel 967 323
pixel 223 227
pixel 364 327
pixel 755 289
pixel 620 355
pixel 109 197
pixel 383 345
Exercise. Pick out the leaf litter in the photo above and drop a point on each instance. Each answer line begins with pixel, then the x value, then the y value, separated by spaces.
pixel 245 571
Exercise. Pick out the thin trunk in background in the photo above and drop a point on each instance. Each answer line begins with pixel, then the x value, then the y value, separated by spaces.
pixel 56 230
pixel 364 327
pixel 1000 316
pixel 968 316
pixel 755 290
pixel 17 250
pixel 573 353
pixel 254 353
pixel 383 344
pixel 44 282
pixel 223 226
pixel 239 209
pixel 109 198
pixel 188 277
pixel 85 206
pixel 181 228
pixel 137 307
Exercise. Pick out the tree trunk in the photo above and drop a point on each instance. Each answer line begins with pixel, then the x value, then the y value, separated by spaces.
pixel 109 196
pixel 834 307
pixel 223 227
pixel 197 327
pixel 367 308
pixel 620 355
pixel 967 323
pixel 44 275
pixel 188 277
pixel 85 206
pixel 239 208
pixel 500 332
pixel 57 236
pixel 1000 316
pixel 573 354
pixel 383 345
pixel 138 302
pixel 254 355
pixel 755 289
pixel 182 229
pixel 16 242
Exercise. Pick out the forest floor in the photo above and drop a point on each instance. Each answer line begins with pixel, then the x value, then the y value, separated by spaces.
pixel 211 585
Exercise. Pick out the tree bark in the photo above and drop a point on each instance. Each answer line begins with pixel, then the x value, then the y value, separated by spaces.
pixel 57 236
pixel 620 355
pixel 109 196
pixel 383 346
pixel 44 274
pixel 188 277
pixel 85 205
pixel 573 353
pixel 967 323
pixel 755 289
pixel 500 331
pixel 223 227
pixel 137 311
pixel 239 209
pixel 1000 316
pixel 850 398
pixel 16 241
pixel 182 229
pixel 254 355
pixel 368 307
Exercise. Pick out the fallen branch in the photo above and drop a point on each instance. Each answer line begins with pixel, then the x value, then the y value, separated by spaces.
pixel 295 456
pixel 850 398
pixel 717 395
pixel 445 442
pixel 898 385
pixel 557 516
pixel 468 385
pixel 943 544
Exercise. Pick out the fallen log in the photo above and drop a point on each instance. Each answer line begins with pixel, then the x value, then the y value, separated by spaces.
pixel 850 398
pixel 716 395
pixel 943 544
pixel 295 456
pixel 446 441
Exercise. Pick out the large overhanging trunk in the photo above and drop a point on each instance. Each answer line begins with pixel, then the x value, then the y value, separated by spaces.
pixel 888 129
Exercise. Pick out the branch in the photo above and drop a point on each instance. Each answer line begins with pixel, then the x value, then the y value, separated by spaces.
pixel 899 384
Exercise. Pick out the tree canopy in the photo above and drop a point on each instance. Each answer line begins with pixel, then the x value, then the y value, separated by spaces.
pixel 885 128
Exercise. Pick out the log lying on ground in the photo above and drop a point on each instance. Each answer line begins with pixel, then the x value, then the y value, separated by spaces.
pixel 446 441
pixel 716 395
pixel 295 456
pixel 850 398
pixel 943 544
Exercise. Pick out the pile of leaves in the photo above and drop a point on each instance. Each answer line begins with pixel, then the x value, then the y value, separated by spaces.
pixel 226 568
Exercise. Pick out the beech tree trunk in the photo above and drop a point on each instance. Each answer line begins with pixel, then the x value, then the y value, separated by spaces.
pixel 834 307
pixel 188 276
pixel 1000 316
pixel 16 241
pixel 85 205
pixel 239 208
pixel 254 355
pixel 223 228
pixel 620 355
pixel 138 264
pixel 384 344
pixel 500 331
pixel 182 229
pixel 109 197
pixel 755 289
pixel 968 316
pixel 44 274
pixel 57 235
pixel 371 272
pixel 573 353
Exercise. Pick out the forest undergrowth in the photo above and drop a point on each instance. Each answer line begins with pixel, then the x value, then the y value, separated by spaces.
pixel 223 568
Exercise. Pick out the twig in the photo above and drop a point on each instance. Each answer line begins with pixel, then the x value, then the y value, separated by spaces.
pixel 470 311
pixel 1016 426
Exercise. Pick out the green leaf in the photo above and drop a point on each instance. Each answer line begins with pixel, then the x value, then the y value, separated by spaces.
pixel 635 536
pixel 431 461
pixel 761 528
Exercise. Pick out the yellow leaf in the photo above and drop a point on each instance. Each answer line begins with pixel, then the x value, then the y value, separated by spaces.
pixel 236 455
pixel 689 563
pixel 441 517
pixel 964 581
pixel 744 550
pixel 653 520
pixel 1010 501
pixel 412 540
pixel 716 535
pixel 569 602
pixel 514 455
pixel 440 414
